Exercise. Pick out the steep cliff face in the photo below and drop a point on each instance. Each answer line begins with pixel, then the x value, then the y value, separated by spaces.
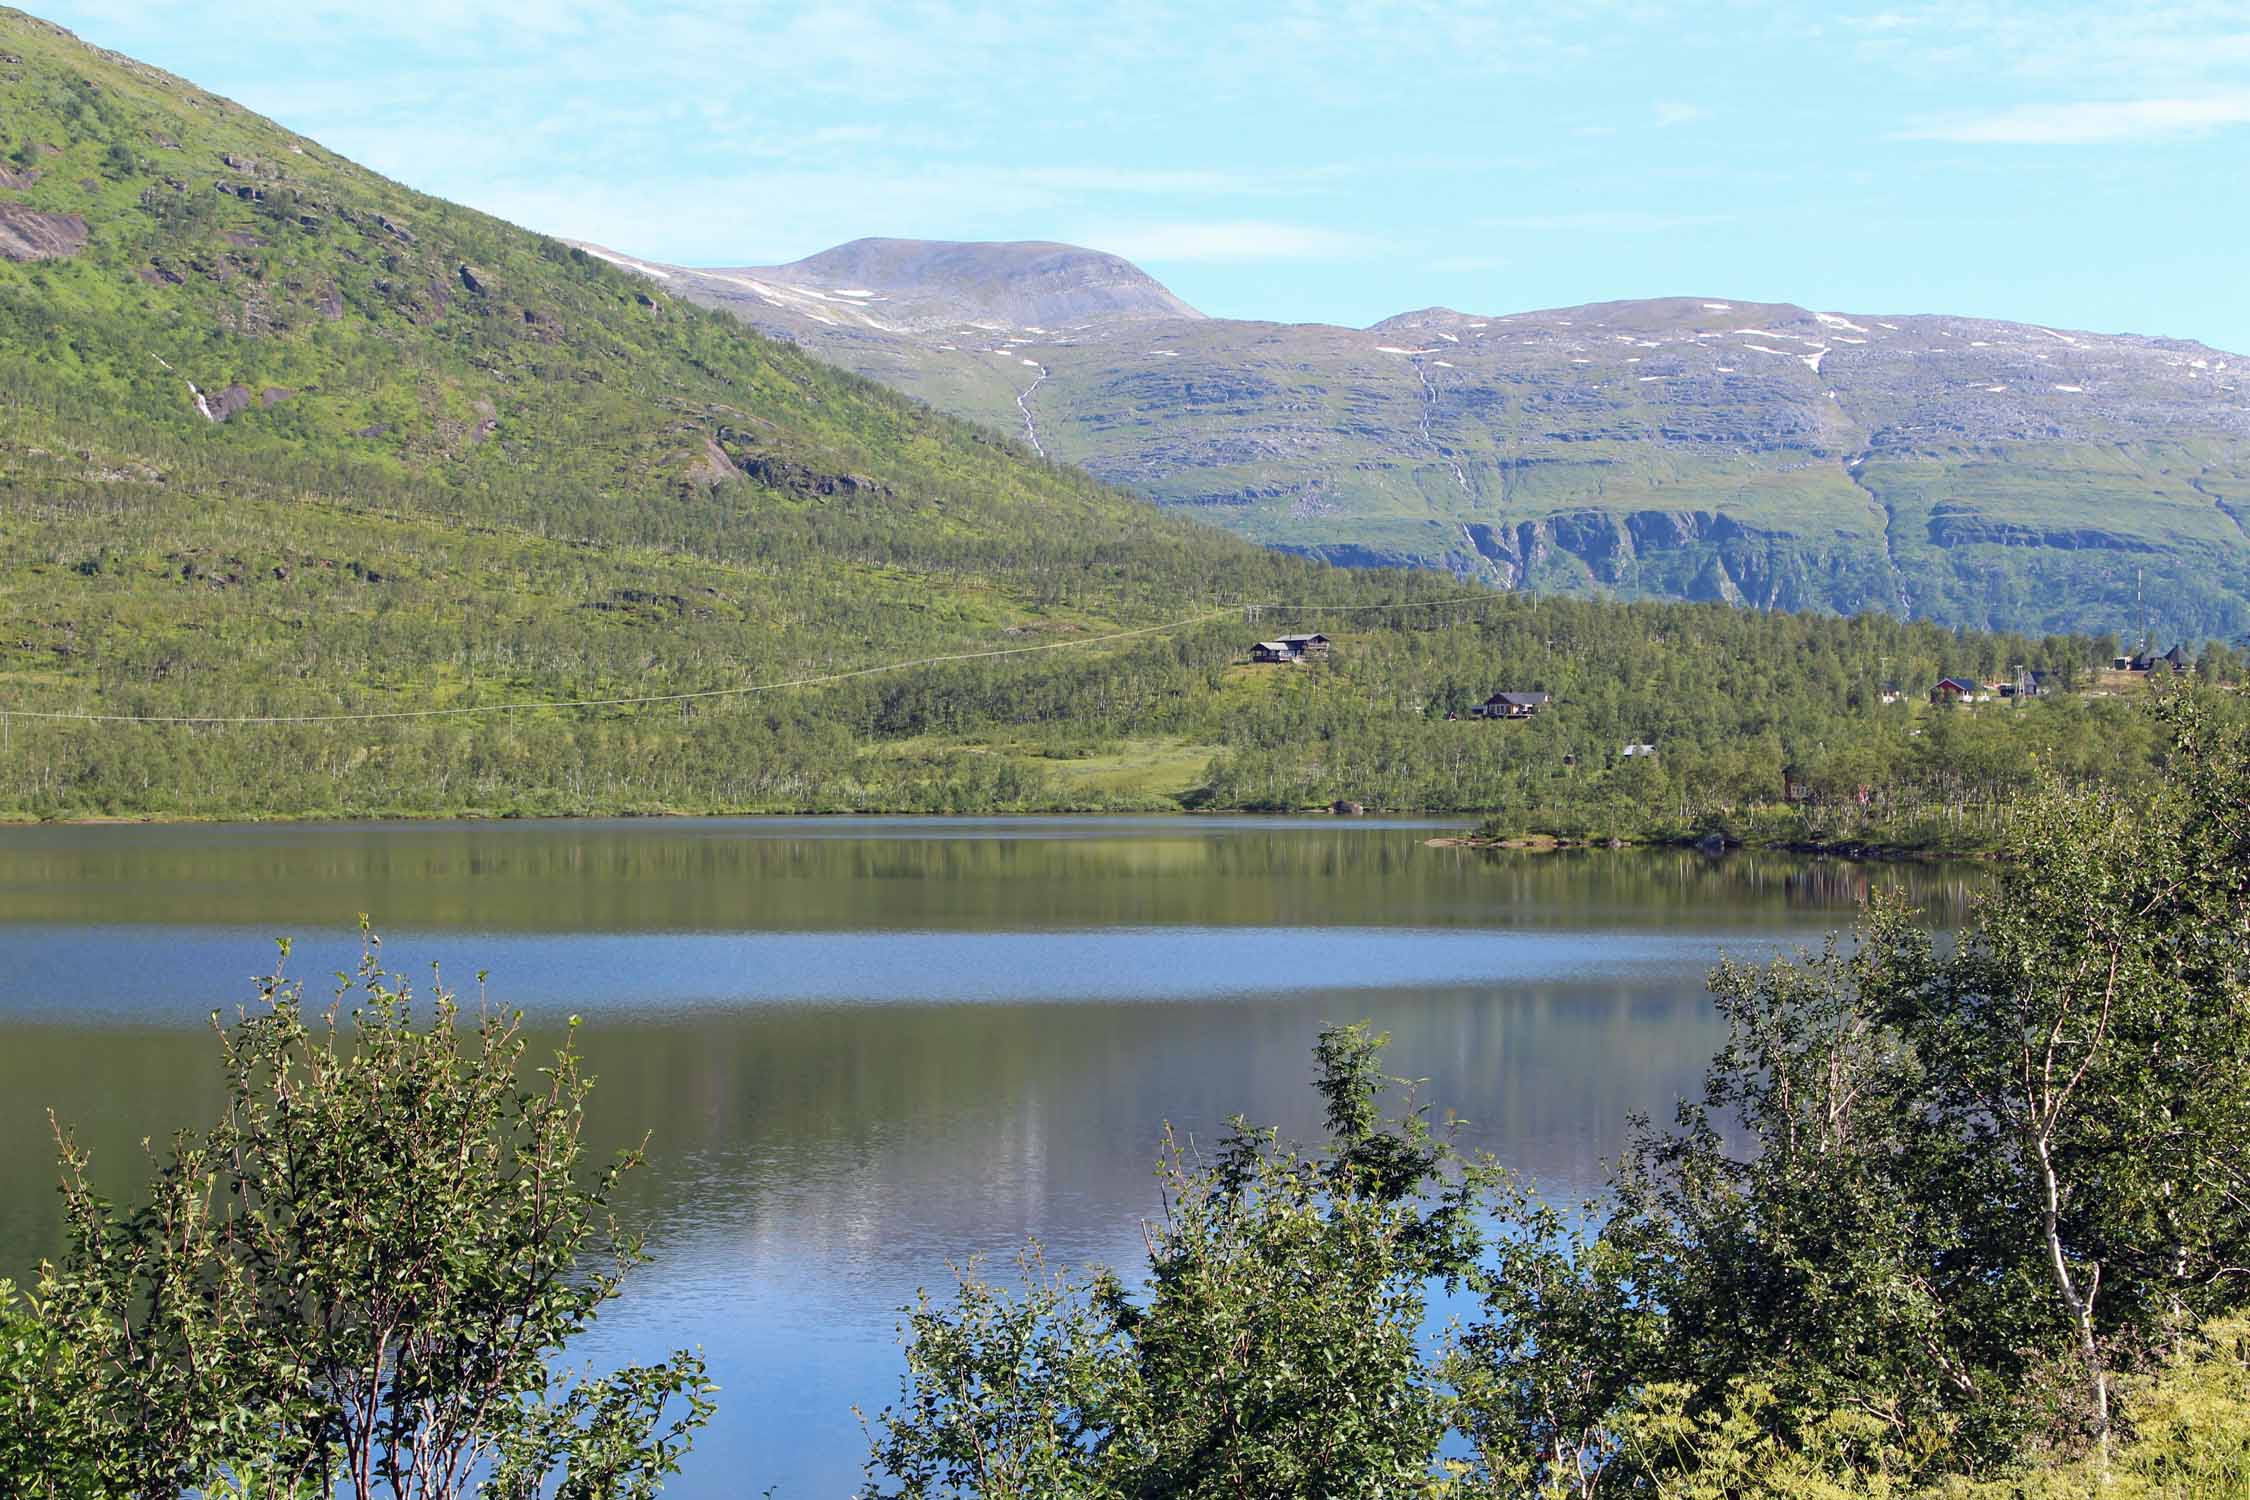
pixel 1959 469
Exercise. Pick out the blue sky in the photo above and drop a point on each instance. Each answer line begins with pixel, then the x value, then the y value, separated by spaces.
pixel 2081 165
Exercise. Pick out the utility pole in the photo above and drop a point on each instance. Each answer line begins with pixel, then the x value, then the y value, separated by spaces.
pixel 2140 607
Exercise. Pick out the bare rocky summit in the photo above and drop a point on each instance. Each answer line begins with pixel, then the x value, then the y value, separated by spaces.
pixel 933 288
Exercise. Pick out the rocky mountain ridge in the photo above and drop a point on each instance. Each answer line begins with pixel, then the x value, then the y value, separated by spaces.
pixel 1968 470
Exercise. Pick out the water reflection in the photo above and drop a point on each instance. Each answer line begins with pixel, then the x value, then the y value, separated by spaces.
pixel 809 874
pixel 865 1048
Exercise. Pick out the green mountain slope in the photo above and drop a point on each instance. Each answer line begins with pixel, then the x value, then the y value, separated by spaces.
pixel 280 437
pixel 210 281
pixel 283 441
pixel 1962 470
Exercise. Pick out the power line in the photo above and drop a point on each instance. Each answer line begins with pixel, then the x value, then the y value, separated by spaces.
pixel 744 690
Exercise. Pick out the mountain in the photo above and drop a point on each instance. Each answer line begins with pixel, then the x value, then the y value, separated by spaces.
pixel 1961 470
pixel 282 439
pixel 932 285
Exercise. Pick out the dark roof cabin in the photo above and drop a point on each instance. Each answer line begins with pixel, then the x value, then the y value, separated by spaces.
pixel 1952 690
pixel 1290 648
pixel 1509 706
pixel 2176 659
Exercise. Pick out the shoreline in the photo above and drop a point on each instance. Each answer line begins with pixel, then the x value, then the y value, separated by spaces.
pixel 1391 817
pixel 1534 843
pixel 1850 849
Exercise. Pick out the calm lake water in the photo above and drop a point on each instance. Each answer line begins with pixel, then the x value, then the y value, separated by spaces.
pixel 869 1047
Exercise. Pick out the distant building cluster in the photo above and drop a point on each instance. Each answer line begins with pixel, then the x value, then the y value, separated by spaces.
pixel 1967 689
pixel 2176 659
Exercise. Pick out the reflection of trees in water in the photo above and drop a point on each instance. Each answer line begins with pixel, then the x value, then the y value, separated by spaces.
pixel 114 1087
pixel 1740 885
pixel 1944 891
pixel 719 876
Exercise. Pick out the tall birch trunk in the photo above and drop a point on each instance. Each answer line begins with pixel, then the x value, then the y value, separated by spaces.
pixel 2080 1303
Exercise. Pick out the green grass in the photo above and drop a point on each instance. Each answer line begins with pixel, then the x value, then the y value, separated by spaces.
pixel 1159 772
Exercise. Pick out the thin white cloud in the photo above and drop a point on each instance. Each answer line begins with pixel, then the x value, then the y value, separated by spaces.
pixel 1245 241
pixel 2164 45
pixel 2093 122
pixel 766 214
pixel 1168 181
pixel 1604 221
pixel 1670 112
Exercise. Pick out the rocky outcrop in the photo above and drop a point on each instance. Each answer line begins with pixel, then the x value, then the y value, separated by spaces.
pixel 1951 528
pixel 26 234
pixel 801 479
pixel 645 602
pixel 1607 541
pixel 1352 555
pixel 713 467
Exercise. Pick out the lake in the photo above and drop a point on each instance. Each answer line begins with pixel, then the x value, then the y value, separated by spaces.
pixel 867 1048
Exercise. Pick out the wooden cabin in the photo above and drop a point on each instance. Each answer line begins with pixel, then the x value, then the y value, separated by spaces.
pixel 1952 690
pixel 1509 706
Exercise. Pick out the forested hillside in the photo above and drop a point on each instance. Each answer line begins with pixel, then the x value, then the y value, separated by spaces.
pixel 282 440
pixel 280 437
